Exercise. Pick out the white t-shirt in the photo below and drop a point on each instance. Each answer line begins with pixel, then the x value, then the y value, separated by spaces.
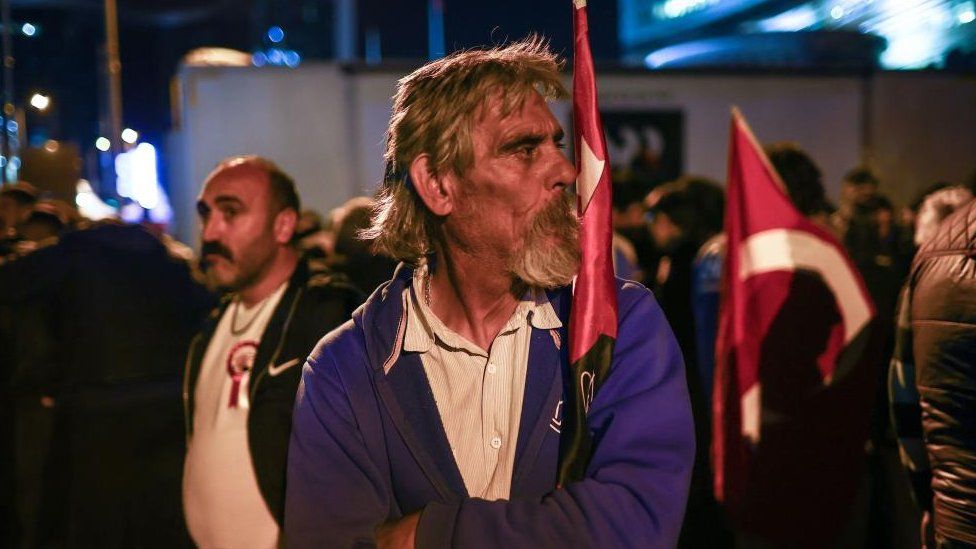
pixel 223 504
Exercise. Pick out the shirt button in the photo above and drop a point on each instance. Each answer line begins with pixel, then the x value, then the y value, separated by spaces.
pixel 492 368
pixel 496 443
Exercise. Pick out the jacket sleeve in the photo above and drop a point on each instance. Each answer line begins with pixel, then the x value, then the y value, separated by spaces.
pixel 905 408
pixel 636 485
pixel 328 455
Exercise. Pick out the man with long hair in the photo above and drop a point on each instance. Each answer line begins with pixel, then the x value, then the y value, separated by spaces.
pixel 433 417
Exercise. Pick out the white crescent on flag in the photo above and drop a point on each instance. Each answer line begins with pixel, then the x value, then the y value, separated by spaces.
pixel 788 250
pixel 591 168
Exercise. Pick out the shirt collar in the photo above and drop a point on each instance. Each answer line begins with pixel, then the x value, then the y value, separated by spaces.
pixel 423 325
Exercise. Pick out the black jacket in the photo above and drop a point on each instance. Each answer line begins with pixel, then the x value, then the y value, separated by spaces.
pixel 314 303
pixel 943 301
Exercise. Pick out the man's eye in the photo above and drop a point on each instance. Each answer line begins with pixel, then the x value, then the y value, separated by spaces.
pixel 230 213
pixel 560 145
pixel 528 150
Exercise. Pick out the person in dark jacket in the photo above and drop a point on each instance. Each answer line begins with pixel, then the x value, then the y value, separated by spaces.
pixel 941 327
pixel 434 417
pixel 243 368
pixel 104 320
pixel 688 213
pixel 353 256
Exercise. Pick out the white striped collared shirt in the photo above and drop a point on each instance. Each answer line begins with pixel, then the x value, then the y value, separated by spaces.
pixel 478 393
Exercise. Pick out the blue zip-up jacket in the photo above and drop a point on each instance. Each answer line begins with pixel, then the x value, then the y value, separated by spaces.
pixel 368 445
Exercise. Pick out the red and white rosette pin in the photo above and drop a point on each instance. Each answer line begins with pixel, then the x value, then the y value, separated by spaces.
pixel 240 360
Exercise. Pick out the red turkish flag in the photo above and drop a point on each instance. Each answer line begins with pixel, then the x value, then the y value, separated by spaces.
pixel 593 318
pixel 795 362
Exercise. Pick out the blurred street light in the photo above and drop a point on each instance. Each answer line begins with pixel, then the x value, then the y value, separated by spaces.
pixel 130 136
pixel 276 34
pixel 103 144
pixel 28 29
pixel 40 101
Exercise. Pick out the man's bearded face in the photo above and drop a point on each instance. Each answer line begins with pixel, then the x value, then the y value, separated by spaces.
pixel 550 256
pixel 512 209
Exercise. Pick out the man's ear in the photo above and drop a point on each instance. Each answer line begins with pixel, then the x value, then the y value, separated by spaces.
pixel 284 225
pixel 432 188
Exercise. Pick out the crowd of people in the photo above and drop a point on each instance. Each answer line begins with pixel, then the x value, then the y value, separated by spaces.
pixel 100 323
pixel 670 236
pixel 157 398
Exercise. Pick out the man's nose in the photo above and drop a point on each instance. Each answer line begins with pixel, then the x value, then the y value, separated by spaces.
pixel 563 171
pixel 210 229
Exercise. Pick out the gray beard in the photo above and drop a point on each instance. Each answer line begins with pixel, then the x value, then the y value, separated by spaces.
pixel 550 256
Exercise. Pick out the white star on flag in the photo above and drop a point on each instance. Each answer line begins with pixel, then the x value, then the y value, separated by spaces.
pixel 591 168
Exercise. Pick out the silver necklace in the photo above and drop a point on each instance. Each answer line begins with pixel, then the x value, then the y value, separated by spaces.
pixel 234 330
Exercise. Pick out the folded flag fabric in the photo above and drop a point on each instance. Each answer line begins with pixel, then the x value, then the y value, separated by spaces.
pixel 593 318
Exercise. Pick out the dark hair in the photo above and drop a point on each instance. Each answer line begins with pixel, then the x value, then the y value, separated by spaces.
pixel 626 193
pixel 695 204
pixel 801 176
pixel 354 219
pixel 876 203
pixel 861 175
pixel 283 192
pixel 21 192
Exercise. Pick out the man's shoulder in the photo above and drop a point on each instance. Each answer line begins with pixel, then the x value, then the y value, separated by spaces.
pixel 352 342
pixel 343 338
pixel 341 352
pixel 631 294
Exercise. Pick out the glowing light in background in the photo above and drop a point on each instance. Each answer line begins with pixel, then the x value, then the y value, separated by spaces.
pixel 837 12
pixel 137 177
pixel 12 126
pixel 103 144
pixel 162 212
pixel 796 19
pixel 130 136
pixel 28 30
pixel 277 57
pixel 916 31
pixel 661 58
pixel 131 212
pixel 292 58
pixel 672 9
pixel 11 168
pixel 965 13
pixel 89 204
pixel 276 34
pixel 51 146
pixel 40 101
